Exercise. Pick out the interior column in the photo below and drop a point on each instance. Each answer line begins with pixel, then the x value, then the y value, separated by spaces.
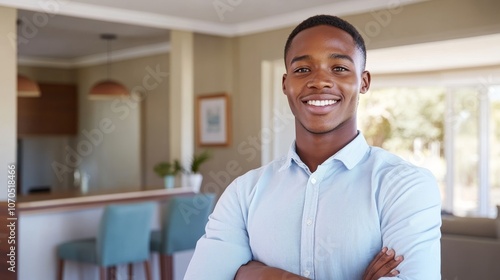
pixel 180 107
pixel 8 96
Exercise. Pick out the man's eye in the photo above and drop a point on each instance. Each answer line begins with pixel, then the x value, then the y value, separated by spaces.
pixel 339 69
pixel 301 70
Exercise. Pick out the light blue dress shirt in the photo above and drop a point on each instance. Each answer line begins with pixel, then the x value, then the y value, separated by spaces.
pixel 325 225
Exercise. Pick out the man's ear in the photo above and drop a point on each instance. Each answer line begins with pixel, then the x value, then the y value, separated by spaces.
pixel 365 82
pixel 283 84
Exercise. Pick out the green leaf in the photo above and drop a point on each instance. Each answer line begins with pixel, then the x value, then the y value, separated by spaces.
pixel 164 168
pixel 198 160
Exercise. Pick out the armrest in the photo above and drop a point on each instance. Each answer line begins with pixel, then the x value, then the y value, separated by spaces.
pixel 469 257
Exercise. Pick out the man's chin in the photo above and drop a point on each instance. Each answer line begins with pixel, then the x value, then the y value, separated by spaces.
pixel 320 130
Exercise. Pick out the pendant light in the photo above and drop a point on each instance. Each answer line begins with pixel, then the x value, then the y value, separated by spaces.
pixel 108 89
pixel 27 87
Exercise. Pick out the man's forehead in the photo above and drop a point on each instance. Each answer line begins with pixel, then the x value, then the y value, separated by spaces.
pixel 336 40
pixel 324 33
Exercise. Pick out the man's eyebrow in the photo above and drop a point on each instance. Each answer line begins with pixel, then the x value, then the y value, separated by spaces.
pixel 332 56
pixel 341 56
pixel 299 58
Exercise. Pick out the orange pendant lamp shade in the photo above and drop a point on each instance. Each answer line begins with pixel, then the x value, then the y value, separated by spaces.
pixel 107 89
pixel 27 87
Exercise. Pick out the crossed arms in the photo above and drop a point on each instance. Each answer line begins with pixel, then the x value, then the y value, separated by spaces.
pixel 383 264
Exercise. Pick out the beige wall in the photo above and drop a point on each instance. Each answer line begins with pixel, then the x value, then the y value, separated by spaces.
pixel 428 21
pixel 214 73
pixel 115 158
pixel 7 94
pixel 154 125
pixel 213 59
pixel 49 74
pixel 251 51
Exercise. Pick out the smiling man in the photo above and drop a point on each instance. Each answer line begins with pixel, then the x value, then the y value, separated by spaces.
pixel 333 204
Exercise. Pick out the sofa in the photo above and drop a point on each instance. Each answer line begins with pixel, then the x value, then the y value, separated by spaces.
pixel 470 248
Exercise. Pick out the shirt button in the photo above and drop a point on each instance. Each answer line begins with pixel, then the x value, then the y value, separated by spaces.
pixel 307 273
pixel 309 222
pixel 313 180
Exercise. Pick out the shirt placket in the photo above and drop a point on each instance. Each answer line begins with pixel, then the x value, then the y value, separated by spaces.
pixel 308 226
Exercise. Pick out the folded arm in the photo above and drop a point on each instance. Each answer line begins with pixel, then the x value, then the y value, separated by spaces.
pixel 383 265
pixel 224 247
pixel 410 208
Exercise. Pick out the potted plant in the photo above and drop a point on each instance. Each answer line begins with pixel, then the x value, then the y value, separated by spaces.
pixel 194 177
pixel 167 171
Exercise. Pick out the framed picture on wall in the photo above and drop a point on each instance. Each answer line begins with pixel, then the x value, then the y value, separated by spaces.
pixel 213 120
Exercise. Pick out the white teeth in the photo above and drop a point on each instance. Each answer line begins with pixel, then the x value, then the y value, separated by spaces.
pixel 321 103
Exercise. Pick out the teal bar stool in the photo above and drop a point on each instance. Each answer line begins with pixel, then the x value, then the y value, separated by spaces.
pixel 184 221
pixel 123 238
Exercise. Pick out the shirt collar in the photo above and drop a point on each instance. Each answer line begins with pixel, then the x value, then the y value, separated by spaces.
pixel 350 155
pixel 291 156
pixel 353 152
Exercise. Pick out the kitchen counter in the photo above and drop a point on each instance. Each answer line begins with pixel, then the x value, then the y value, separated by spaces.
pixel 76 200
pixel 47 220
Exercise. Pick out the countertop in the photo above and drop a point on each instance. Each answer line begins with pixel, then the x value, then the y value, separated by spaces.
pixel 36 203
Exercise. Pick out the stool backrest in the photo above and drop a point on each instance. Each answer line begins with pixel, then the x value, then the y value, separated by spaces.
pixel 124 233
pixel 184 222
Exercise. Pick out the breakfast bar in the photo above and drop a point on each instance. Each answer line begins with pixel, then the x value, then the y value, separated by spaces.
pixel 45 221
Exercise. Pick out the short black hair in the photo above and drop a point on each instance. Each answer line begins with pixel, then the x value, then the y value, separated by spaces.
pixel 331 21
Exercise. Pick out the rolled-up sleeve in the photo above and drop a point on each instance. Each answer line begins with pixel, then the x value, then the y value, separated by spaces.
pixel 224 247
pixel 411 222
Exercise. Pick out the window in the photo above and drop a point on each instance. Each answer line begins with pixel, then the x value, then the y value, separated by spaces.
pixel 494 100
pixel 464 122
pixel 442 129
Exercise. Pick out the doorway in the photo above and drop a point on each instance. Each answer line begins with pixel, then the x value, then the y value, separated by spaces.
pixel 278 122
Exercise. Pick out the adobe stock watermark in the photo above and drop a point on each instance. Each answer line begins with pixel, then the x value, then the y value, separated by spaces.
pixel 249 148
pixel 326 246
pixel 199 202
pixel 381 19
pixel 150 81
pixel 223 6
pixel 30 27
pixel 84 148
pixel 121 107
pixel 281 118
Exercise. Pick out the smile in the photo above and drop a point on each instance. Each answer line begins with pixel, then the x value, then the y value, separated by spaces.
pixel 321 103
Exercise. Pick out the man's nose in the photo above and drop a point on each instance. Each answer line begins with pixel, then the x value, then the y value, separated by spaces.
pixel 320 79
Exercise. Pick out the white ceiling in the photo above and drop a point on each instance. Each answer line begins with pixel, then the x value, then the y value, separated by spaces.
pixel 67 38
pixel 465 53
pixel 67 32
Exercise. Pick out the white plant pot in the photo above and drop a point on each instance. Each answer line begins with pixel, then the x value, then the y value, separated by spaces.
pixel 194 181
pixel 169 181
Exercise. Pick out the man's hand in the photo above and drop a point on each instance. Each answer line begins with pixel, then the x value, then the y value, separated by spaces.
pixel 383 264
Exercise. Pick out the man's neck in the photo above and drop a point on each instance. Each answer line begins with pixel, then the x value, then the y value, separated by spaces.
pixel 314 149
